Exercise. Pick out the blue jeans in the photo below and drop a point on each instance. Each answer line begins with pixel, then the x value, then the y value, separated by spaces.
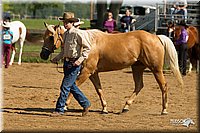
pixel 182 12
pixel 68 85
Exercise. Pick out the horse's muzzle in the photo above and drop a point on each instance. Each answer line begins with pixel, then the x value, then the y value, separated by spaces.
pixel 44 54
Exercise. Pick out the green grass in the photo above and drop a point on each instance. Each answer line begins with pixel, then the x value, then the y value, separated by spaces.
pixel 32 48
pixel 31 53
pixel 39 23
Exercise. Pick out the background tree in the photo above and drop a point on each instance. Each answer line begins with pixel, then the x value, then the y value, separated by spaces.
pixel 102 8
pixel 44 10
pixel 7 7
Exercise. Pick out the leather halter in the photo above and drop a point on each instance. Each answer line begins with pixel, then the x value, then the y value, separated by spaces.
pixel 54 45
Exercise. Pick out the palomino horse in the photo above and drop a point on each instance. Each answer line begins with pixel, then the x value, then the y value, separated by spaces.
pixel 174 32
pixel 110 52
pixel 19 34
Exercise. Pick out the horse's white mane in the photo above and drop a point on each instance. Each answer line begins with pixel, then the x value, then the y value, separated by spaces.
pixel 62 27
pixel 92 35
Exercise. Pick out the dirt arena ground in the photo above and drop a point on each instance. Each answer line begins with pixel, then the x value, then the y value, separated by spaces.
pixel 31 90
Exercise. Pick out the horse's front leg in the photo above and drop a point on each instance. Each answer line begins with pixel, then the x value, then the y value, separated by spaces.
pixel 97 84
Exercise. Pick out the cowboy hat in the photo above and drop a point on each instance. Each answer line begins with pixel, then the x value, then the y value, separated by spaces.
pixel 6 24
pixel 68 17
pixel 78 23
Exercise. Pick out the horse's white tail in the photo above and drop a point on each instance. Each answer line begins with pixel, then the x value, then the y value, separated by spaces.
pixel 171 57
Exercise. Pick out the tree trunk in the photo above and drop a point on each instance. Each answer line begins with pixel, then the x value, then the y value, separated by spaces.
pixel 34 12
pixel 102 9
pixel 114 8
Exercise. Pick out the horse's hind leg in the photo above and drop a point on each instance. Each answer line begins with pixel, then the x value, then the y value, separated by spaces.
pixel 21 43
pixel 13 54
pixel 190 67
pixel 97 84
pixel 137 70
pixel 193 64
pixel 163 86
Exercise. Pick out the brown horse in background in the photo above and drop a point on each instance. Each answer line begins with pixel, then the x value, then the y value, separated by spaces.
pixel 110 52
pixel 174 32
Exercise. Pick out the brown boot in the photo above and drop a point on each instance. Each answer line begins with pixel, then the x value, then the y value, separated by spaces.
pixel 85 111
pixel 56 114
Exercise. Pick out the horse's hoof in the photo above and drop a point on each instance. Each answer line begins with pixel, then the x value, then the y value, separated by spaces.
pixel 104 112
pixel 66 108
pixel 125 110
pixel 164 113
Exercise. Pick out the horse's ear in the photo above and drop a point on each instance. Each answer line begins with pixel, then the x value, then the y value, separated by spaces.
pixel 45 24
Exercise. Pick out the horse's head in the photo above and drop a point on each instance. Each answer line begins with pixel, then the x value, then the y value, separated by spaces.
pixel 170 26
pixel 173 30
pixel 52 40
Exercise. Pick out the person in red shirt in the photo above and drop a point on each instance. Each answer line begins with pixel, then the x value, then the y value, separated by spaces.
pixel 7 37
pixel 109 24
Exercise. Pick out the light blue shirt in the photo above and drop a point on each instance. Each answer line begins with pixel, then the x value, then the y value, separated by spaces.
pixel 7 36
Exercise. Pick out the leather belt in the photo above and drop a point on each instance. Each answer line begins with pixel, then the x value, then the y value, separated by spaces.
pixel 70 59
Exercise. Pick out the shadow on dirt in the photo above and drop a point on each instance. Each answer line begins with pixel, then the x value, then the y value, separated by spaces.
pixel 42 111
pixel 31 87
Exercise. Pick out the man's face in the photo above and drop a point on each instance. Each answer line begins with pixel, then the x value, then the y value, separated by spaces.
pixel 127 13
pixel 67 25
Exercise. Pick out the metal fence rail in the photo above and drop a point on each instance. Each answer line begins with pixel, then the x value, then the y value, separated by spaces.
pixel 146 22
pixel 163 15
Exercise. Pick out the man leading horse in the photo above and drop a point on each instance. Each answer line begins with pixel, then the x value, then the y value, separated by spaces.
pixel 75 51
pixel 109 52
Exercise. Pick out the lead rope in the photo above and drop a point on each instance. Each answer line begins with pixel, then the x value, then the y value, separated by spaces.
pixel 59 35
pixel 57 68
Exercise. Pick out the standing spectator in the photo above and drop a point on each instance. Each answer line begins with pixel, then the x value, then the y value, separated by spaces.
pixel 182 44
pixel 75 50
pixel 179 7
pixel 7 37
pixel 126 21
pixel 109 24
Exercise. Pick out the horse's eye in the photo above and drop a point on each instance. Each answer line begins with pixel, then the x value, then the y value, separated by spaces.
pixel 51 38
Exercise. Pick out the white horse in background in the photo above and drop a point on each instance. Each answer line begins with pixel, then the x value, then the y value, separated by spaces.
pixel 19 34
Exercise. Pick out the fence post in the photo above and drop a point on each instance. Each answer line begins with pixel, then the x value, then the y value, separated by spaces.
pixel 156 18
